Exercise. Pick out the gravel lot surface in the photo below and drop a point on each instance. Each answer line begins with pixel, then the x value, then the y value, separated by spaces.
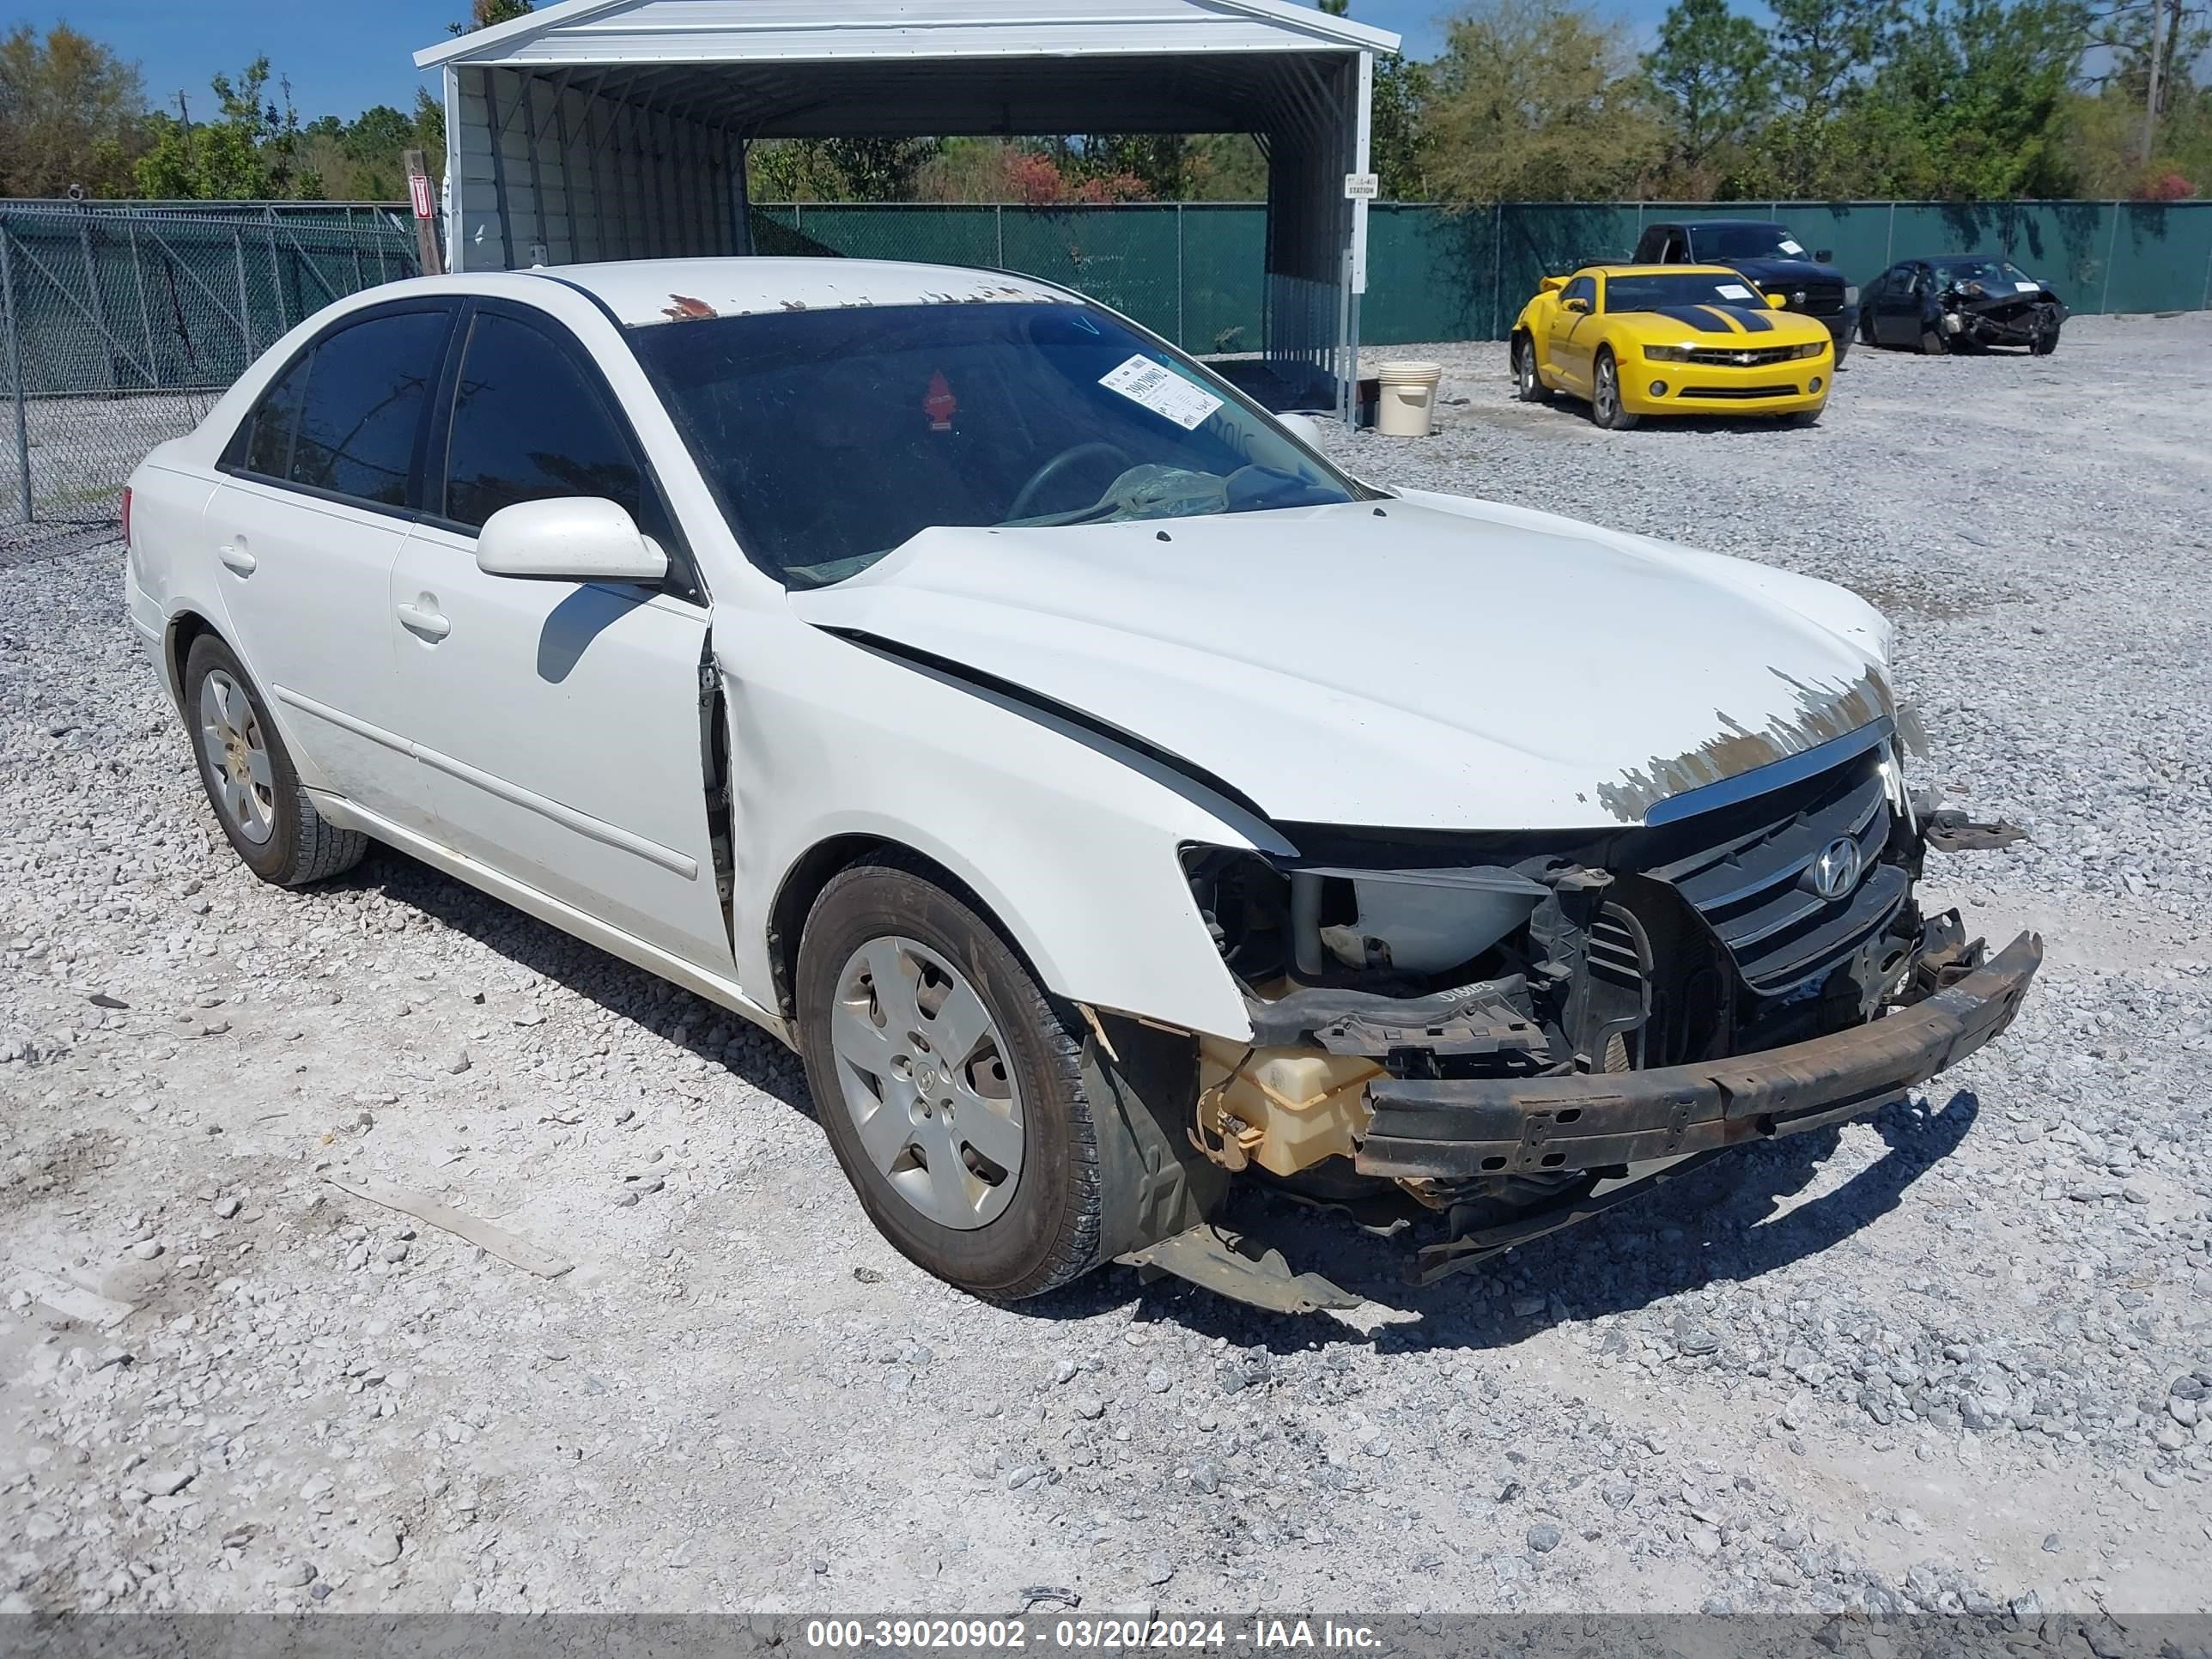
pixel 1959 1356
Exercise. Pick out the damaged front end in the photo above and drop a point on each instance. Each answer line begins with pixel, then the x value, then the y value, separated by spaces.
pixel 1976 313
pixel 1499 1035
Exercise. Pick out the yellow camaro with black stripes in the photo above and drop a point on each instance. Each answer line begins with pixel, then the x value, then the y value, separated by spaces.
pixel 1637 340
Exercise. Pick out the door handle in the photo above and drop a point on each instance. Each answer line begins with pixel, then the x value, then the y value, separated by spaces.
pixel 423 619
pixel 234 554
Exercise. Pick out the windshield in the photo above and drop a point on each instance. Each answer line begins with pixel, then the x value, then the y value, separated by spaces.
pixel 834 436
pixel 1657 293
pixel 1748 241
pixel 1989 273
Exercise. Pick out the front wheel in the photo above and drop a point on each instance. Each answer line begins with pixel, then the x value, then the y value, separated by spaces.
pixel 1866 329
pixel 1803 417
pixel 1606 406
pixel 1528 384
pixel 949 1084
pixel 2046 341
pixel 1935 342
pixel 270 821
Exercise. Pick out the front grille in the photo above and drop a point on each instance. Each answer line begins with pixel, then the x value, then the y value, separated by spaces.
pixel 1726 392
pixel 1743 357
pixel 1821 299
pixel 1752 883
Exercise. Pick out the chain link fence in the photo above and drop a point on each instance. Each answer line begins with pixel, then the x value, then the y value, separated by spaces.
pixel 1195 272
pixel 120 326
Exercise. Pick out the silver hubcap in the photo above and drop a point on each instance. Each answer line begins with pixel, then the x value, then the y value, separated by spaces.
pixel 1608 394
pixel 924 1076
pixel 237 757
pixel 1526 365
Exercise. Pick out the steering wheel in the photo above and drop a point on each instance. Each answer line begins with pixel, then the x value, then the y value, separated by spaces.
pixel 1053 468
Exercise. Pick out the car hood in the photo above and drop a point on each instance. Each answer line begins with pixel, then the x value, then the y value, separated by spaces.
pixel 1423 662
pixel 1782 272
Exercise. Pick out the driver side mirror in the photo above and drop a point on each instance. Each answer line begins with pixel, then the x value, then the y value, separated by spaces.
pixel 1303 427
pixel 1822 256
pixel 1777 302
pixel 1576 304
pixel 575 538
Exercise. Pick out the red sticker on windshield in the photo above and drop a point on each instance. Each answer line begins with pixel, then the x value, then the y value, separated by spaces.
pixel 940 405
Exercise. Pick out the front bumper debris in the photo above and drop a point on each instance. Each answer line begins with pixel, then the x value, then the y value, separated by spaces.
pixel 1460 1129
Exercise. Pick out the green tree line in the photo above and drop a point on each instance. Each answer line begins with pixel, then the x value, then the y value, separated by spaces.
pixel 1528 99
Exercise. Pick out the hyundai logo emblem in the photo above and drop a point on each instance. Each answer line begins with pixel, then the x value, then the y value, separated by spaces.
pixel 1836 871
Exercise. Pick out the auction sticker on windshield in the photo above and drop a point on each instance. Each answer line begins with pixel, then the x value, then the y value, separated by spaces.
pixel 1788 247
pixel 1733 291
pixel 1162 390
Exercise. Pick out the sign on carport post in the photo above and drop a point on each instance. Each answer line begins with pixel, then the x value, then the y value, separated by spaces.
pixel 426 214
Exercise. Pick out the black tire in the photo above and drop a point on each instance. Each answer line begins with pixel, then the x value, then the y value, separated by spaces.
pixel 1803 417
pixel 1935 342
pixel 301 846
pixel 1528 384
pixel 1866 331
pixel 2046 342
pixel 1842 349
pixel 1611 413
pixel 1050 1232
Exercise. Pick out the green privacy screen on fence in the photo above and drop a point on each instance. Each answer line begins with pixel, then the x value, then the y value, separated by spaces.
pixel 1193 272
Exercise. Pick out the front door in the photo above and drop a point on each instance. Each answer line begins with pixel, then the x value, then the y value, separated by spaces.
pixel 307 525
pixel 1568 348
pixel 1897 314
pixel 560 725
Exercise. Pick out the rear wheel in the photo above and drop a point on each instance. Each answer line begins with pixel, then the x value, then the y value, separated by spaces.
pixel 268 818
pixel 949 1084
pixel 1528 384
pixel 1606 406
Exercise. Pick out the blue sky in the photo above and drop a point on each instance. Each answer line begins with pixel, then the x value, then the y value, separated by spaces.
pixel 343 56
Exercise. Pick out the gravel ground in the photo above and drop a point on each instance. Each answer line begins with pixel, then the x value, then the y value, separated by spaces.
pixel 1956 1357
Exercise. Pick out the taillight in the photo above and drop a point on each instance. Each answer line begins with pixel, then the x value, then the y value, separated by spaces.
pixel 126 515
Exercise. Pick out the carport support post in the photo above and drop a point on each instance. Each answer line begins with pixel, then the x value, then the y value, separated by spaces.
pixel 15 370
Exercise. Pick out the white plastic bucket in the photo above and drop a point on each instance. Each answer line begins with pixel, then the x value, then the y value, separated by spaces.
pixel 1406 406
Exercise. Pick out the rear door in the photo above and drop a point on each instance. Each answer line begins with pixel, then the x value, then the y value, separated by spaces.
pixel 560 725
pixel 319 486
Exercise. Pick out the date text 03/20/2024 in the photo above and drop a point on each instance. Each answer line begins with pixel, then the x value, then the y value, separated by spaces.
pixel 1077 1635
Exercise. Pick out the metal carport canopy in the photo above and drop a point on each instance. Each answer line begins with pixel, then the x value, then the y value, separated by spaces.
pixel 615 129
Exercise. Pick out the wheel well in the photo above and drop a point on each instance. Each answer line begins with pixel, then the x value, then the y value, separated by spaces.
pixel 816 869
pixel 184 627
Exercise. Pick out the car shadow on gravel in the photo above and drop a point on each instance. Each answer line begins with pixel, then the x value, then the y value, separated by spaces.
pixel 1738 1217
pixel 1719 1222
pixel 631 992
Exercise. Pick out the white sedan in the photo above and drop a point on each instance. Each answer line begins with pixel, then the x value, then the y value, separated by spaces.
pixel 1104 792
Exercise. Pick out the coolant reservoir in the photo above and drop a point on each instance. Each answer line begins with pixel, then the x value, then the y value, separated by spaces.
pixel 1295 1106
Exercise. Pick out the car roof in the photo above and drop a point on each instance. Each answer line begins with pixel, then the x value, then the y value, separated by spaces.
pixel 1717 224
pixel 1960 259
pixel 645 291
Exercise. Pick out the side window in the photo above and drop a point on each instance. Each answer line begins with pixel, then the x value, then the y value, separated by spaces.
pixel 1584 289
pixel 264 443
pixel 368 389
pixel 1647 245
pixel 1677 249
pixel 528 423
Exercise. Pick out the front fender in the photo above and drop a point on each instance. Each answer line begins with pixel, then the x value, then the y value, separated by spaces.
pixel 1072 839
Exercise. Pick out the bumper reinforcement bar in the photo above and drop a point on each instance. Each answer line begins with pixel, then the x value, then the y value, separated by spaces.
pixel 1465 1129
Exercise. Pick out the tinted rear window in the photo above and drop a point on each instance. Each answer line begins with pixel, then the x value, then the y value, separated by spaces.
pixel 367 387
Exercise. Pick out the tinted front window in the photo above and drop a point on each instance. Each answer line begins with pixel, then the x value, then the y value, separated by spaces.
pixel 367 388
pixel 528 424
pixel 270 428
pixel 1582 287
pixel 835 435
pixel 1657 293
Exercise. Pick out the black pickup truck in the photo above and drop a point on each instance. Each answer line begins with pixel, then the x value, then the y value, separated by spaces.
pixel 1771 257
